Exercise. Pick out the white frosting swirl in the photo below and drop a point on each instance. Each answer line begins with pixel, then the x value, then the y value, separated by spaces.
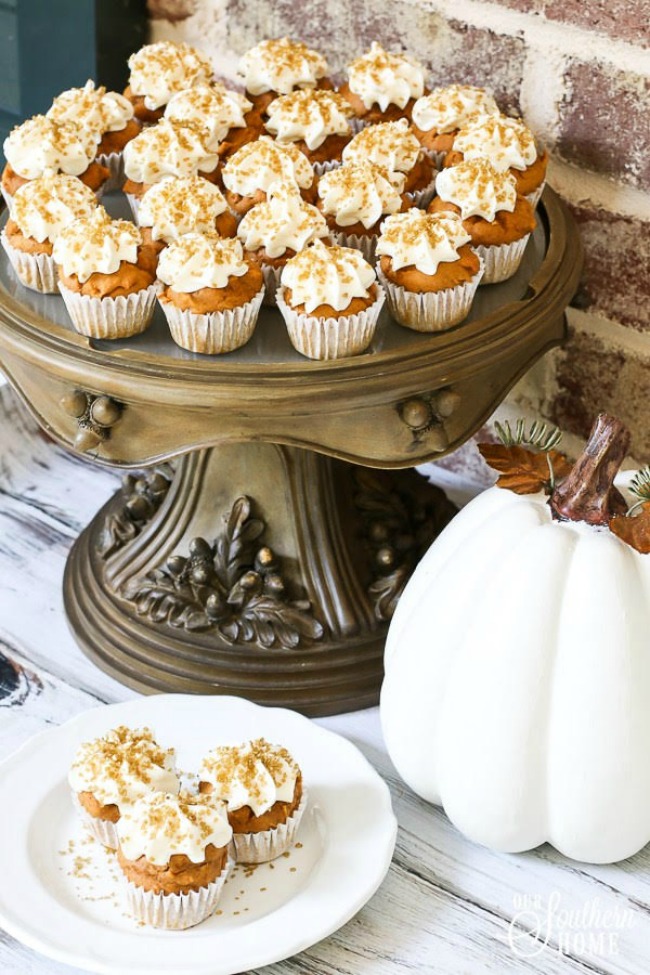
pixel 256 774
pixel 94 109
pixel 44 206
pixel 210 107
pixel 177 206
pixel 421 240
pixel 283 222
pixel 122 766
pixel 281 65
pixel 360 193
pixel 391 145
pixel 96 244
pixel 40 145
pixel 168 149
pixel 385 79
pixel 506 142
pixel 322 275
pixel 447 109
pixel 196 261
pixel 159 826
pixel 477 188
pixel 158 70
pixel 257 165
pixel 310 115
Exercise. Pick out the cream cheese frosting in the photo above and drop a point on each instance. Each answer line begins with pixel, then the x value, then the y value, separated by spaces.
pixel 281 65
pixel 168 148
pixel 196 261
pixel 96 244
pixel 477 188
pixel 161 69
pixel 378 77
pixel 391 145
pixel 507 142
pixel 40 145
pixel 255 774
pixel 322 275
pixel 308 115
pixel 177 206
pixel 257 165
pixel 282 222
pixel 45 205
pixel 160 825
pixel 447 109
pixel 421 240
pixel 122 766
pixel 360 193
pixel 95 109
pixel 211 107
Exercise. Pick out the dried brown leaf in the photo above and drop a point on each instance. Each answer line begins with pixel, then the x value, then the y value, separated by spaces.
pixel 524 471
pixel 634 529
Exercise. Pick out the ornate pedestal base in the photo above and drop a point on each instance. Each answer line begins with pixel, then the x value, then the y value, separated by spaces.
pixel 256 569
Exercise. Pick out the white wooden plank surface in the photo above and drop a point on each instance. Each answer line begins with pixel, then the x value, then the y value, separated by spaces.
pixel 447 906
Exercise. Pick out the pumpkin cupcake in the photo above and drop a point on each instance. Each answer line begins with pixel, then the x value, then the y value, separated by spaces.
pixel 253 169
pixel 183 205
pixel 394 146
pixel 112 772
pixel 428 269
pixel 173 854
pixel 158 71
pixel 106 276
pixel 438 116
pixel 498 220
pixel 383 87
pixel 42 208
pixel 261 785
pixel 316 122
pixel 226 117
pixel 212 296
pixel 279 66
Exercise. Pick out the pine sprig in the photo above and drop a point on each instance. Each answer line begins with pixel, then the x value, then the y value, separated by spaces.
pixel 540 436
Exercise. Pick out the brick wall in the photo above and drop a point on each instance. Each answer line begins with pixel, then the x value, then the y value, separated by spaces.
pixel 579 71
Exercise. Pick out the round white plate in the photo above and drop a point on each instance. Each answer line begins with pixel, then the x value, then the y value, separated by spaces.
pixel 60 891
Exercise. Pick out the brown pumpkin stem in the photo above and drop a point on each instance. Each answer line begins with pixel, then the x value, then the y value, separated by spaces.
pixel 588 493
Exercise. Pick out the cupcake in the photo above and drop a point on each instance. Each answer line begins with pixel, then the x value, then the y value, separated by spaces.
pixel 277 229
pixel 249 173
pixel 160 70
pixel 261 785
pixel 41 146
pixel 105 113
pixel 355 199
pixel 498 220
pixel 227 118
pixel 110 773
pixel 42 208
pixel 173 854
pixel 393 146
pixel 183 205
pixel 279 66
pixel 438 116
pixel 428 269
pixel 316 122
pixel 383 87
pixel 106 276
pixel 212 296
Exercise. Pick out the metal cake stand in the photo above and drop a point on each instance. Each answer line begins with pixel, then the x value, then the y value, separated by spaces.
pixel 267 560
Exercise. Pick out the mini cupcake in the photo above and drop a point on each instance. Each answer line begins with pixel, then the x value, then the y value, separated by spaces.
pixel 158 71
pixel 107 114
pixel 330 301
pixel 438 116
pixel 41 209
pixel 316 122
pixel 249 173
pixel 226 117
pixel 383 87
pixel 262 787
pixel 173 853
pixel 41 146
pixel 428 269
pixel 355 198
pixel 183 205
pixel 279 66
pixel 212 296
pixel 498 220
pixel 110 773
pixel 277 229
pixel 106 276
pixel 393 146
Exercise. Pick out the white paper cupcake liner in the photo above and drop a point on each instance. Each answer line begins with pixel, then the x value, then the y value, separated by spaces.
pixel 8 198
pixel 501 260
pixel 134 203
pixel 102 829
pixel 175 912
pixel 216 333
pixel 272 843
pixel 110 318
pixel 536 196
pixel 35 271
pixel 114 161
pixel 366 243
pixel 422 198
pixel 326 167
pixel 438 156
pixel 272 277
pixel 331 338
pixel 430 311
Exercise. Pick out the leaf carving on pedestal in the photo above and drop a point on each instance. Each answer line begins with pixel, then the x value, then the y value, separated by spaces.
pixel 524 471
pixel 634 529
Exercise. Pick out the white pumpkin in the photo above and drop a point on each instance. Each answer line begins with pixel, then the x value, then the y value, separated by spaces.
pixel 517 687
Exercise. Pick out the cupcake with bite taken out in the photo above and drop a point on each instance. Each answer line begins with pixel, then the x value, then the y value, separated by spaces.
pixel 438 116
pixel 278 66
pixel 253 169
pixel 394 146
pixel 183 205
pixel 227 117
pixel 383 87
pixel 316 122
pixel 160 70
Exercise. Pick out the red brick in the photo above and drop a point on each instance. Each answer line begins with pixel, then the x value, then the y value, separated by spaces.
pixel 625 20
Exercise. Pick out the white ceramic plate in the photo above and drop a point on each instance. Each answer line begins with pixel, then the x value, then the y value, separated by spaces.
pixel 59 889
